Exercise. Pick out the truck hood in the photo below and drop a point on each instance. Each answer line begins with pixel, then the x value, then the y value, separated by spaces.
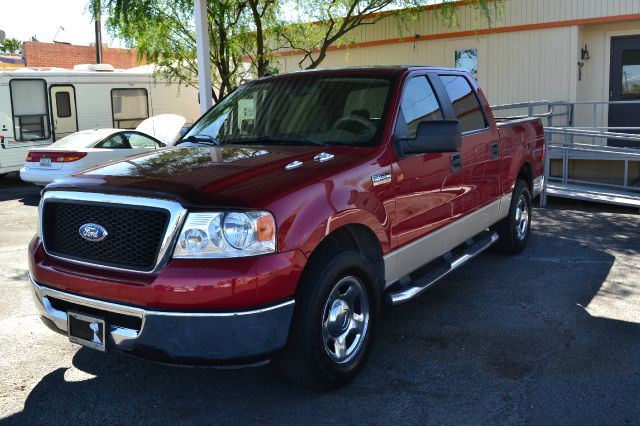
pixel 230 176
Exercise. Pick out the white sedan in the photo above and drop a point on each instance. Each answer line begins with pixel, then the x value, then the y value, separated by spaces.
pixel 88 148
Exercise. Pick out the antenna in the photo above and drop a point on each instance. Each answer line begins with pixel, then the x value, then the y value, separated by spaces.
pixel 61 28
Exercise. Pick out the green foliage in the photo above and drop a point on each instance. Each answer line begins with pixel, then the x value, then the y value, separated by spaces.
pixel 11 45
pixel 252 31
pixel 334 21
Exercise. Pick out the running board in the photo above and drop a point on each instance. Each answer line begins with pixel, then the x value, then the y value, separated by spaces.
pixel 409 287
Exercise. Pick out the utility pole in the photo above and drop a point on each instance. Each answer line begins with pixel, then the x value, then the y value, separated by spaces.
pixel 98 22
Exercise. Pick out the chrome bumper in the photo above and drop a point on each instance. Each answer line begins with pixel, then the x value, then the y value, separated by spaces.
pixel 180 337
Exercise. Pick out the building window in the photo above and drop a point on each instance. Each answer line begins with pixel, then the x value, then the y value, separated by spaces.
pixel 30 109
pixel 467 59
pixel 130 107
pixel 465 103
pixel 63 104
pixel 631 74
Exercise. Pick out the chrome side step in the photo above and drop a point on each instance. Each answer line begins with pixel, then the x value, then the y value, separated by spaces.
pixel 411 287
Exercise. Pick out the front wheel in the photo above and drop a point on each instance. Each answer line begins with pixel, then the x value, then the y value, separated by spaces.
pixel 514 229
pixel 334 323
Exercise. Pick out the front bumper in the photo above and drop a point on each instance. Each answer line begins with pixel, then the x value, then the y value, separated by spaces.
pixel 175 337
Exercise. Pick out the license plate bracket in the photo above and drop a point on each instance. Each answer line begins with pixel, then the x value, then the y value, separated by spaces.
pixel 87 330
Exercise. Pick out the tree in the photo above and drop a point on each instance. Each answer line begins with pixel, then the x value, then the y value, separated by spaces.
pixel 335 21
pixel 162 31
pixel 11 45
pixel 252 31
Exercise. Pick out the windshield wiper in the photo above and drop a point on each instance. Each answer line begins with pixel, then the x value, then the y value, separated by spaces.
pixel 204 139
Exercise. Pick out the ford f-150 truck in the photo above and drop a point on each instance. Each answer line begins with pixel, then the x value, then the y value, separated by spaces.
pixel 284 219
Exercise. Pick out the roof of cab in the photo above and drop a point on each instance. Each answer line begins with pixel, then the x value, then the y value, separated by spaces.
pixel 379 69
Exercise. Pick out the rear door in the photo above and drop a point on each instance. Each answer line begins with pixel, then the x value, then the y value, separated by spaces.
pixel 480 150
pixel 625 86
pixel 63 107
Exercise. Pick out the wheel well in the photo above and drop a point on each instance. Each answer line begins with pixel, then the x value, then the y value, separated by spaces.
pixel 526 175
pixel 354 237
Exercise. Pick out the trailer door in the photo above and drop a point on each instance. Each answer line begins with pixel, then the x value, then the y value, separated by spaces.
pixel 63 106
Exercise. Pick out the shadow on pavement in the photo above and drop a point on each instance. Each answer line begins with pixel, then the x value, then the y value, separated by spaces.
pixel 503 340
pixel 12 188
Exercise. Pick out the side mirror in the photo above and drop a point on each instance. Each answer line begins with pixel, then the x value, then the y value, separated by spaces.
pixel 433 136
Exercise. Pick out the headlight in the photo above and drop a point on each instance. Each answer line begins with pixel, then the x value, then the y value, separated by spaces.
pixel 226 234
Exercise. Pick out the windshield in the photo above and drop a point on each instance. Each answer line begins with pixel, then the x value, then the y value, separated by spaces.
pixel 298 110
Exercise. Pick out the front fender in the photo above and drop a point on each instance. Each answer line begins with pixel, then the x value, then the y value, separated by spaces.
pixel 326 206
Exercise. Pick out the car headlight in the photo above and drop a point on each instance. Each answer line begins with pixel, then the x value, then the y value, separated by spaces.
pixel 226 234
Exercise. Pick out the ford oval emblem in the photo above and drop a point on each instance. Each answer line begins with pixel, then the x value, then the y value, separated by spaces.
pixel 93 232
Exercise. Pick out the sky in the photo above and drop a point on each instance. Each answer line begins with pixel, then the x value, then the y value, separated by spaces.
pixel 22 19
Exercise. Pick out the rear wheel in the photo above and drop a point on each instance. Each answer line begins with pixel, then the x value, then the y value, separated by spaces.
pixel 335 320
pixel 514 229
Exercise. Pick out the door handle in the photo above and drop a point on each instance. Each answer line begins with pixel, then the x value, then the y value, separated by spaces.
pixel 495 151
pixel 456 163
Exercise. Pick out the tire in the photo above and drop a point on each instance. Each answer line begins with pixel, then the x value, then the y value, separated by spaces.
pixel 334 322
pixel 514 229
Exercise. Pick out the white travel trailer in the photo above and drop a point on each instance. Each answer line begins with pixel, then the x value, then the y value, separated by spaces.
pixel 39 107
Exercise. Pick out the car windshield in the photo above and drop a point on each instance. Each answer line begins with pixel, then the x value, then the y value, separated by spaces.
pixel 323 110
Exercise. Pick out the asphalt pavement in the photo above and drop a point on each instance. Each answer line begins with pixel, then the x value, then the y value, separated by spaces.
pixel 545 337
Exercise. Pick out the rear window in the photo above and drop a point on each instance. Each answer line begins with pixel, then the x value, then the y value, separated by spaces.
pixel 465 103
pixel 77 140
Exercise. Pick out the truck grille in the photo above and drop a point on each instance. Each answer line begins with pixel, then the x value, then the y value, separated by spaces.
pixel 135 233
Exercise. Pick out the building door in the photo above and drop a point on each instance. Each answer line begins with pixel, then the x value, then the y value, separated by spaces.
pixel 625 86
pixel 63 107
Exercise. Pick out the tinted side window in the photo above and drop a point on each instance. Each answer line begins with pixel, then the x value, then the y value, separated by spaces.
pixel 116 141
pixel 139 141
pixel 419 103
pixel 465 102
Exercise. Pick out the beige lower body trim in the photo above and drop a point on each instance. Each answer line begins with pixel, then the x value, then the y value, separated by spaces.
pixel 417 253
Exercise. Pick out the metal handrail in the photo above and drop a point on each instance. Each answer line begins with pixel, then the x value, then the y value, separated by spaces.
pixel 562 150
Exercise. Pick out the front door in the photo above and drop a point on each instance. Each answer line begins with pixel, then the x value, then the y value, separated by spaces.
pixel 63 106
pixel 426 185
pixel 625 86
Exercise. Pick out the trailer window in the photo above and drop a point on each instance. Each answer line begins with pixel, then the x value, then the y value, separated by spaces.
pixel 465 103
pixel 63 104
pixel 129 107
pixel 30 109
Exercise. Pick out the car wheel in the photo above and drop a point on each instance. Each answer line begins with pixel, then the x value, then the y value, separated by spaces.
pixel 514 229
pixel 334 323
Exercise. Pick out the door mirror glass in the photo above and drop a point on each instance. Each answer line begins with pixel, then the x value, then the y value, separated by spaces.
pixel 433 137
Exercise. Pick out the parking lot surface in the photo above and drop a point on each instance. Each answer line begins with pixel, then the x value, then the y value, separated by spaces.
pixel 549 336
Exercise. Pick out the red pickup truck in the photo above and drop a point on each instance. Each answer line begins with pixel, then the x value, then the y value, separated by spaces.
pixel 284 218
